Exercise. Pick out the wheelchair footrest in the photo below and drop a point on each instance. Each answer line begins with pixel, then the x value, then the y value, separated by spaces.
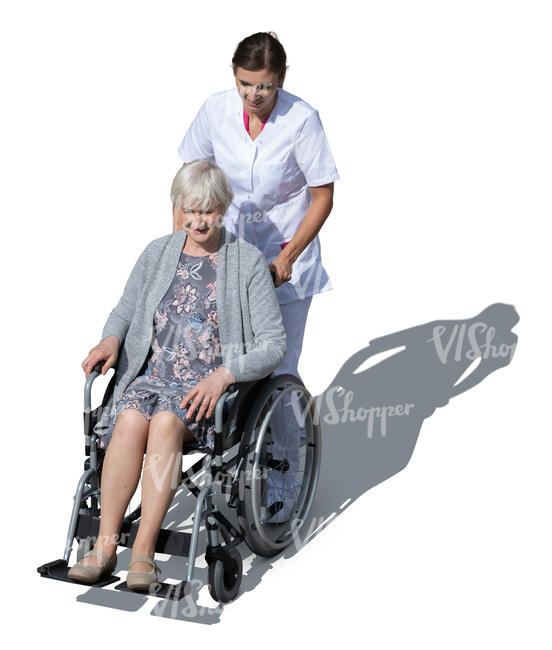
pixel 58 571
pixel 161 589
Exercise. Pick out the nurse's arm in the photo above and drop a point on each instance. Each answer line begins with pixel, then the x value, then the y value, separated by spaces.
pixel 318 212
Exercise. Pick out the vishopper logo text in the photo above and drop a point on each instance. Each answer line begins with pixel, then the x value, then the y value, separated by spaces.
pixel 338 402
pixel 161 466
pixel 479 337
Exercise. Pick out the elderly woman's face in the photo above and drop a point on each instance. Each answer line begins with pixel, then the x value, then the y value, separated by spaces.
pixel 201 227
pixel 257 89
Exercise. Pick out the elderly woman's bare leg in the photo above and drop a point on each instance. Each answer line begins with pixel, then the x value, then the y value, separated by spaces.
pixel 160 480
pixel 120 475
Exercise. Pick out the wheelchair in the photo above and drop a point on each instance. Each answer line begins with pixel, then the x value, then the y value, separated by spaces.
pixel 240 464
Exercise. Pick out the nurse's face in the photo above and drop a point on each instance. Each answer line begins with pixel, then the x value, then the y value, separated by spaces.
pixel 257 89
pixel 201 227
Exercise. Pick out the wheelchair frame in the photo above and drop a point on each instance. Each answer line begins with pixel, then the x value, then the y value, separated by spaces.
pixel 85 520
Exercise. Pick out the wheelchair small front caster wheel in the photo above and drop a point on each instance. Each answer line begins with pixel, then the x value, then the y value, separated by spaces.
pixel 224 585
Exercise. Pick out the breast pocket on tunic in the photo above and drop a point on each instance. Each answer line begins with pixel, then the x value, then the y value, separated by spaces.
pixel 277 180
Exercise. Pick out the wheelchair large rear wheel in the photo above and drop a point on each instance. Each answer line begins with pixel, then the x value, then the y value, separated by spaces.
pixel 280 452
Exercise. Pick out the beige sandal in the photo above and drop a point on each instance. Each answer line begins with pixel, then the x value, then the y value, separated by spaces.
pixel 141 580
pixel 90 573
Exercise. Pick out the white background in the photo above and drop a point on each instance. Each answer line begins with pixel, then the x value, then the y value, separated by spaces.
pixel 438 115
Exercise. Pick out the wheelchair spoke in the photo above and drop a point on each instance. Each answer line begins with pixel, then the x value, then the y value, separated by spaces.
pixel 283 444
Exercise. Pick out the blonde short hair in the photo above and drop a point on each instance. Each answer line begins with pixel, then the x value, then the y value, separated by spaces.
pixel 201 185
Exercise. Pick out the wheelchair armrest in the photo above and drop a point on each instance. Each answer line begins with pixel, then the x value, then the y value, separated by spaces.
pixel 239 385
pixel 96 370
pixel 242 385
pixel 98 367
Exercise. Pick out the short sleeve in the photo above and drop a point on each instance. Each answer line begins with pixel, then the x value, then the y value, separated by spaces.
pixel 196 144
pixel 313 154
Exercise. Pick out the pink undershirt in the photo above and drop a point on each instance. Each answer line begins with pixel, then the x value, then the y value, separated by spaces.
pixel 246 120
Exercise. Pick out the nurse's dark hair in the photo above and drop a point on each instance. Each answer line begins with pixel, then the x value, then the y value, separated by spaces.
pixel 258 51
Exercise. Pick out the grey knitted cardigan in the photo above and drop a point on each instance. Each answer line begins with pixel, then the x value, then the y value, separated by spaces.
pixel 251 330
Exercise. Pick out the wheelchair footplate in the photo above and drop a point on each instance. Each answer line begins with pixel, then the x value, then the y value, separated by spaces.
pixel 161 589
pixel 58 571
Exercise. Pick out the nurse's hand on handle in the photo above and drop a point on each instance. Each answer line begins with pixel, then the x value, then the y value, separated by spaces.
pixel 107 350
pixel 280 268
pixel 316 215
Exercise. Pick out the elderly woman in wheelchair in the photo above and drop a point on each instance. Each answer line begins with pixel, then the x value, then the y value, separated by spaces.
pixel 194 340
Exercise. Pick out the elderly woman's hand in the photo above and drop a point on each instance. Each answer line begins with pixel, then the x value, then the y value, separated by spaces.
pixel 205 393
pixel 107 349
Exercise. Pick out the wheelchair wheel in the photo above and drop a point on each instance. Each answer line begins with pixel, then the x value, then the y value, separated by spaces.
pixel 224 585
pixel 282 451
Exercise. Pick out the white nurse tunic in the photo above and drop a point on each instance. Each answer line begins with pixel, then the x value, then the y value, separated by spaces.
pixel 269 176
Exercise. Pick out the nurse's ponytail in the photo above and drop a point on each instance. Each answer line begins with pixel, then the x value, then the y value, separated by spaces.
pixel 258 51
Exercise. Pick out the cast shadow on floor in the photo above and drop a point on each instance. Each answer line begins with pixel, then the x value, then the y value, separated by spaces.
pixel 371 415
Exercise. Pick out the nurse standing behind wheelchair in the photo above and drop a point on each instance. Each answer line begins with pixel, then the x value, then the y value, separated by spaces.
pixel 272 148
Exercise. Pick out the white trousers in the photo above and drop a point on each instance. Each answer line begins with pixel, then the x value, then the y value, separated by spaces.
pixel 288 423
pixel 294 315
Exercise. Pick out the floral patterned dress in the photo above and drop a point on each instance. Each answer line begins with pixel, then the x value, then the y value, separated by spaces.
pixel 184 351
